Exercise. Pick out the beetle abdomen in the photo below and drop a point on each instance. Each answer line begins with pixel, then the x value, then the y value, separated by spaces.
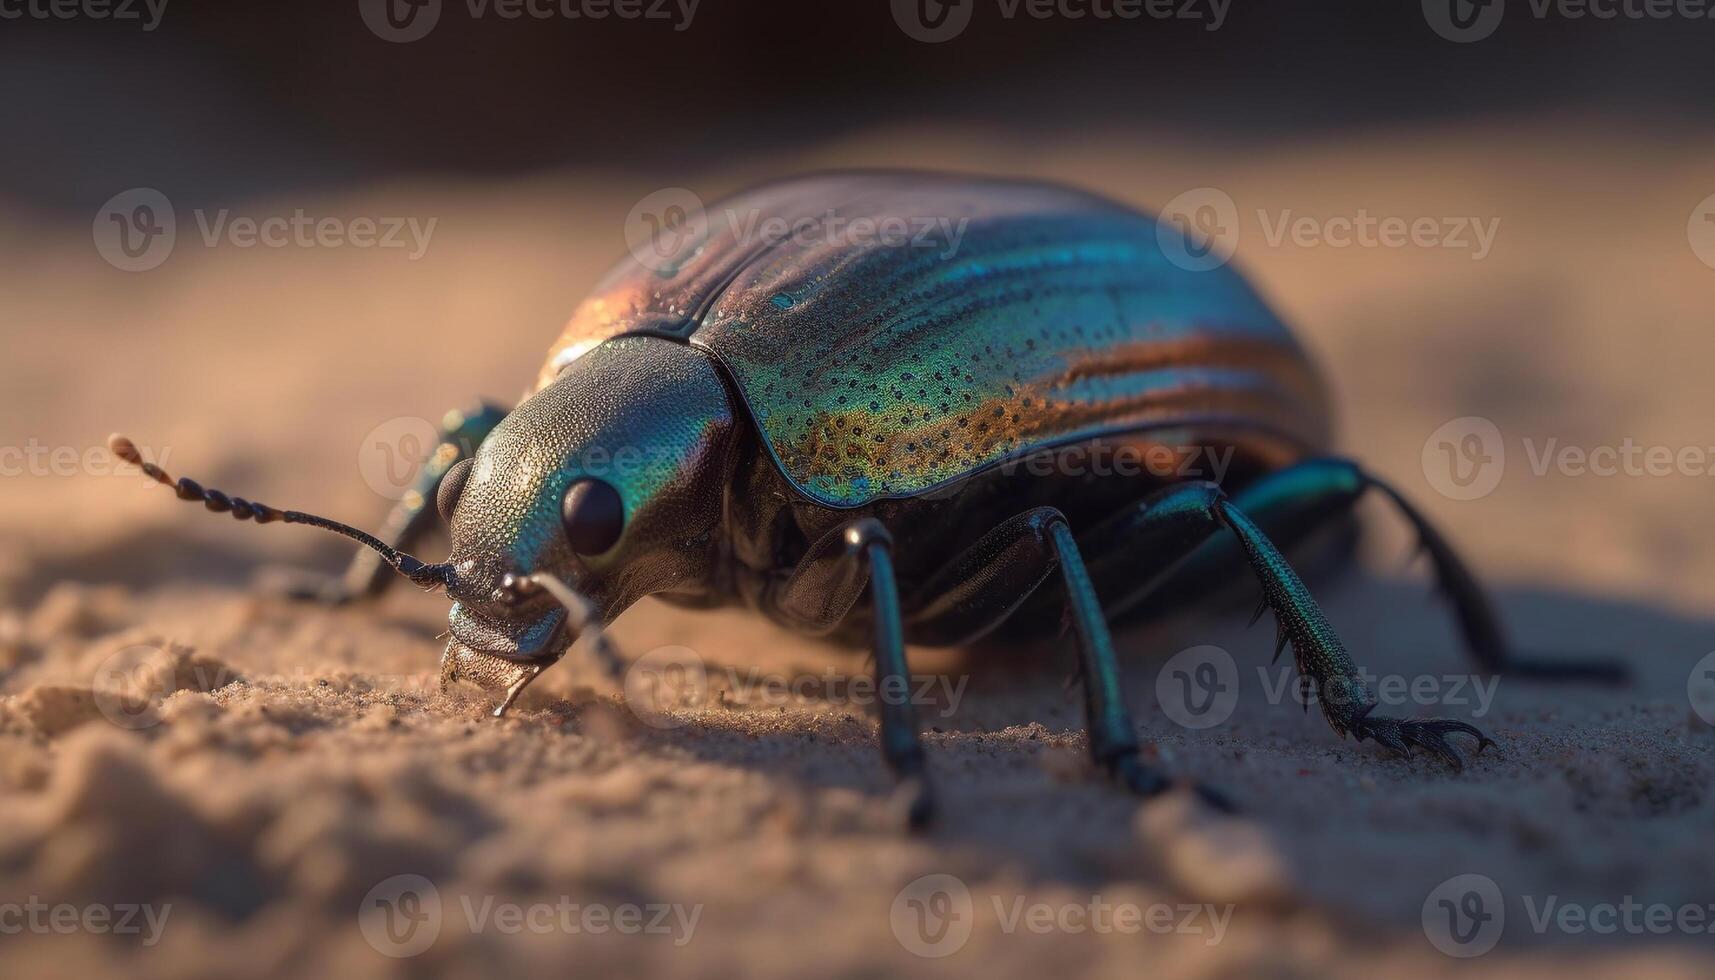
pixel 1010 317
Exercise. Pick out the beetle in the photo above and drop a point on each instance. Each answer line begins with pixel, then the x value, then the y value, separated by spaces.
pixel 859 436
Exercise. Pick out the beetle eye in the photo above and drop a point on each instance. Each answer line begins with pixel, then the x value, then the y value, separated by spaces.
pixel 593 516
pixel 452 484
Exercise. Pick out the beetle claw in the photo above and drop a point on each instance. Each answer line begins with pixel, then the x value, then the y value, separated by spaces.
pixel 1429 734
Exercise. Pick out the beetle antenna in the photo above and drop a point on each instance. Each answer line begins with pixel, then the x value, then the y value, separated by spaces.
pixel 418 571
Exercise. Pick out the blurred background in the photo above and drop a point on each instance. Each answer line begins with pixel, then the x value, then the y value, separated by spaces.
pixel 1555 157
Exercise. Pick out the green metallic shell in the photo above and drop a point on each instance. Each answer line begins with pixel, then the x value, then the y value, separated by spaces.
pixel 915 329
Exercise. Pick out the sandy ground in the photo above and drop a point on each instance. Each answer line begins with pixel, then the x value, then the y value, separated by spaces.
pixel 173 743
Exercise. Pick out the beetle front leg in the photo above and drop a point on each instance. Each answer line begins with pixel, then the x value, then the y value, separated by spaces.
pixel 819 594
pixel 408 523
pixel 487 671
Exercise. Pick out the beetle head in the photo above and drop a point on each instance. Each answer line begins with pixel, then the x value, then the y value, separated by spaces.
pixel 603 487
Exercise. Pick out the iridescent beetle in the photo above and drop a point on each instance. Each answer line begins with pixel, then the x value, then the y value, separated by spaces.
pixel 845 430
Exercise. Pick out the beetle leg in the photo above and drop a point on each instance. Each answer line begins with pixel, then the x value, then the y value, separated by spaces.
pixel 407 524
pixel 1291 504
pixel 1175 523
pixel 487 671
pixel 1179 526
pixel 983 586
pixel 819 594
pixel 1478 621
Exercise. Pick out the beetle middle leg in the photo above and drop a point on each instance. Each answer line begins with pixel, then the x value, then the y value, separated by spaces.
pixel 817 596
pixel 979 589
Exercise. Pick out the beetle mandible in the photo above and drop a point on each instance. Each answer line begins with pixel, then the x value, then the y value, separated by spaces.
pixel 840 431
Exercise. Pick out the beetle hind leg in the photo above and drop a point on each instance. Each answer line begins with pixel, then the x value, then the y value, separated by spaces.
pixel 1484 635
pixel 1180 527
pixel 1291 504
